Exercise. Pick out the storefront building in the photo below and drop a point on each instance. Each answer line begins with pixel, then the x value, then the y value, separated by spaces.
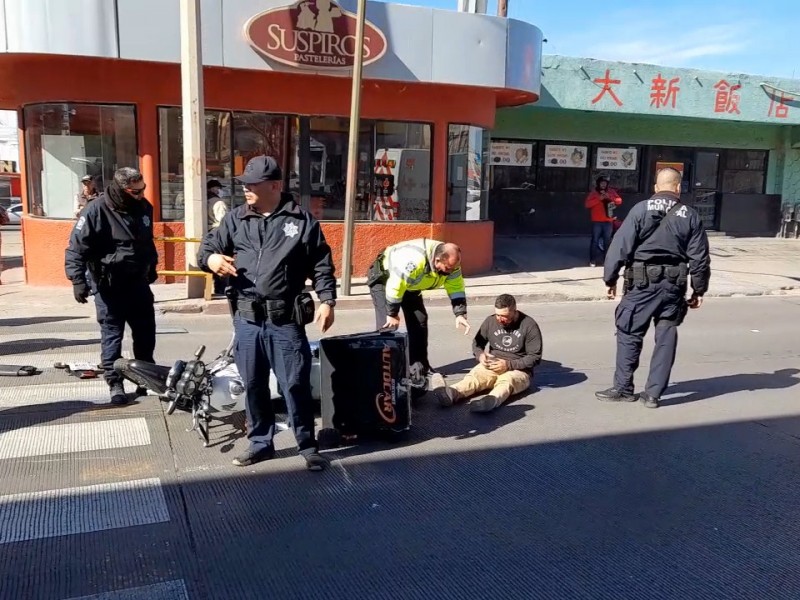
pixel 99 89
pixel 736 138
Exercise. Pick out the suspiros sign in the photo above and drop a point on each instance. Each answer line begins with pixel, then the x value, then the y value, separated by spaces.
pixel 316 34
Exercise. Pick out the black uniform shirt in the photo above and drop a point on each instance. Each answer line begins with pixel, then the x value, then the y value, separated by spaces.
pixel 274 254
pixel 680 239
pixel 112 239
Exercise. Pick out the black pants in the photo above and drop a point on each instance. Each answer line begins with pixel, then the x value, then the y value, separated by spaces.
pixel 283 349
pixel 116 306
pixel 416 321
pixel 664 303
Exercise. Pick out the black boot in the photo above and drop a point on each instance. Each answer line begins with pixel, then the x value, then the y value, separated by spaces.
pixel 118 395
pixel 648 400
pixel 614 395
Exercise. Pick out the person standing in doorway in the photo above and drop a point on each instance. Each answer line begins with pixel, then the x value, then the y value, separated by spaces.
pixel 601 202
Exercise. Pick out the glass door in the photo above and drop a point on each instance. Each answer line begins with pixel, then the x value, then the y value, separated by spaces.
pixel 704 187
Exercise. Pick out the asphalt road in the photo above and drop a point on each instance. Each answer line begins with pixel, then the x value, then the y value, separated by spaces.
pixel 553 496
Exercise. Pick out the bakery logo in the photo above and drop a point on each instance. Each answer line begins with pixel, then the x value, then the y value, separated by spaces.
pixel 385 400
pixel 316 34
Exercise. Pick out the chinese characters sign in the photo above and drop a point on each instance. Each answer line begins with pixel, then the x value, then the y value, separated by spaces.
pixel 663 92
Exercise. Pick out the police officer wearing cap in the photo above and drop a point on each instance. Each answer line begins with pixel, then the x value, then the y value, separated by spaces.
pixel 661 243
pixel 268 247
pixel 114 239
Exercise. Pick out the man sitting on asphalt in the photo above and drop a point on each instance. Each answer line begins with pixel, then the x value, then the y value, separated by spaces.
pixel 508 346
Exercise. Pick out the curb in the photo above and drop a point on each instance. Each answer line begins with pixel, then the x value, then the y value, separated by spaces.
pixel 220 307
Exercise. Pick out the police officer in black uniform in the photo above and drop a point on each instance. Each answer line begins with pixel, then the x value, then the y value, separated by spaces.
pixel 114 239
pixel 661 243
pixel 269 247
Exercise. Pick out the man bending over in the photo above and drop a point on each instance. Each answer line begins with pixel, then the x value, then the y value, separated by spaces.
pixel 508 346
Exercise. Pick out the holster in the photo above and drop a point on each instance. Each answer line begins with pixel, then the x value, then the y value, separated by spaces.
pixel 303 312
pixel 376 274
pixel 639 275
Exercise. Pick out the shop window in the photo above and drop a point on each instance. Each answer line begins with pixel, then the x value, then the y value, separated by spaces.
pixel 513 164
pixel 218 157
pixel 393 177
pixel 256 134
pixel 619 164
pixel 65 142
pixel 402 172
pixel 322 146
pixel 467 173
pixel 563 167
pixel 744 171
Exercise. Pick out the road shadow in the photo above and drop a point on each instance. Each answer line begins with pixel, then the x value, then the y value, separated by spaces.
pixel 713 387
pixel 666 526
pixel 548 374
pixel 40 344
pixel 22 322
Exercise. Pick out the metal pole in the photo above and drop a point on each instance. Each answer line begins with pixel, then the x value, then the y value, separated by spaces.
pixel 352 152
pixel 502 8
pixel 194 145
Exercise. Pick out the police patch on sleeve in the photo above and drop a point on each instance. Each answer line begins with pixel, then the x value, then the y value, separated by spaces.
pixel 81 222
pixel 410 267
pixel 146 221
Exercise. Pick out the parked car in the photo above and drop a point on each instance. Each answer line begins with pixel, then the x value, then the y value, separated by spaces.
pixel 14 214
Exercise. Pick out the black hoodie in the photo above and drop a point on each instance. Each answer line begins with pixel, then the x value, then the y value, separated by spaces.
pixel 114 239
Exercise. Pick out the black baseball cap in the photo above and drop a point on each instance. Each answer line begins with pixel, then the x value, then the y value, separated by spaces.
pixel 261 168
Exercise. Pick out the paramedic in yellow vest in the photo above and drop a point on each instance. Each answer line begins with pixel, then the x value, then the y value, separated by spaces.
pixel 396 280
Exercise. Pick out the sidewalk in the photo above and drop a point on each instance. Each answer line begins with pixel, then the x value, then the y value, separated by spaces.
pixel 532 269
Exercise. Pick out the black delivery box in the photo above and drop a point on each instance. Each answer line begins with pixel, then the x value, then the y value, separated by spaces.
pixel 365 389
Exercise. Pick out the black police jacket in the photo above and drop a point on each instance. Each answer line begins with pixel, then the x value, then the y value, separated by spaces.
pixel 680 239
pixel 114 239
pixel 275 254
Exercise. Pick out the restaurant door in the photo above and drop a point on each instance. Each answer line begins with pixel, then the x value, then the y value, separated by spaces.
pixel 705 178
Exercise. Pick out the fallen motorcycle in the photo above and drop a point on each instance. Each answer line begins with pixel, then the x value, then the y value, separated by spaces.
pixel 207 390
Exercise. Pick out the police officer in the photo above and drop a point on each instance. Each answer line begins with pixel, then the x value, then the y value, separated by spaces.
pixel 268 247
pixel 114 239
pixel 396 280
pixel 660 242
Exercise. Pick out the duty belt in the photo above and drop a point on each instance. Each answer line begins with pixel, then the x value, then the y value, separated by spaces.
pixel 274 311
pixel 641 274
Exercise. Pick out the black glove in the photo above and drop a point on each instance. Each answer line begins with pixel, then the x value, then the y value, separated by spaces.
pixel 81 292
pixel 152 275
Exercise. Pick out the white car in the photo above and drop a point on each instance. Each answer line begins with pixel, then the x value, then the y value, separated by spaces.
pixel 14 214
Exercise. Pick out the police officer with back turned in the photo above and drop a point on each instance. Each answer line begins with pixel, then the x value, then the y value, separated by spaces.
pixel 661 243
pixel 269 247
pixel 114 239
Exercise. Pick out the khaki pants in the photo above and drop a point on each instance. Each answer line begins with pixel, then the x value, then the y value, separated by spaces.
pixel 480 379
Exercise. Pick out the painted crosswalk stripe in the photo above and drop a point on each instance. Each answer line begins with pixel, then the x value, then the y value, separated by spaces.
pixel 168 590
pixel 74 437
pixel 69 511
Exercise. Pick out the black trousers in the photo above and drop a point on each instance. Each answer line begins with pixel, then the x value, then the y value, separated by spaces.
pixel 416 318
pixel 132 304
pixel 283 349
pixel 663 303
